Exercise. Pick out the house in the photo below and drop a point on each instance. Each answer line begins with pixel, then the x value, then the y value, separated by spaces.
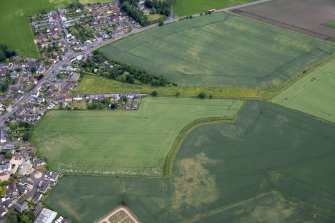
pixel 25 168
pixel 44 186
pixel 2 136
pixel 40 163
pixel 3 211
pixel 37 197
pixel 21 207
pixel 5 168
pixel 52 176
pixel 8 147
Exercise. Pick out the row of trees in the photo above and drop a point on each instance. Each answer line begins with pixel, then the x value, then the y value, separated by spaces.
pixel 5 53
pixel 130 7
pixel 122 72
pixel 159 6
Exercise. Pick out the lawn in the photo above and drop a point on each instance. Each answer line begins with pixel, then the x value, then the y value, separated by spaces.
pixel 271 165
pixel 314 94
pixel 94 84
pixel 123 142
pixel 190 7
pixel 220 50
pixel 16 31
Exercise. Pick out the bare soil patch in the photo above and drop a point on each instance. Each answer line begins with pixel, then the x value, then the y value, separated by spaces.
pixel 304 16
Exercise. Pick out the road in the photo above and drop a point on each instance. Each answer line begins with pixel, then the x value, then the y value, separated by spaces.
pixel 36 182
pixel 55 68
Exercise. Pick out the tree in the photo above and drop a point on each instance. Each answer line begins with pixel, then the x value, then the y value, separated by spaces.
pixel 3 87
pixel 5 53
pixel 154 93
pixel 202 95
pixel 26 136
pixel 8 155
pixel 33 69
pixel 148 4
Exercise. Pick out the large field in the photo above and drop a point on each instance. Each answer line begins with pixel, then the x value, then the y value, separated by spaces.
pixel 271 165
pixel 122 142
pixel 313 94
pixel 15 28
pixel 221 50
pixel 305 16
pixel 190 7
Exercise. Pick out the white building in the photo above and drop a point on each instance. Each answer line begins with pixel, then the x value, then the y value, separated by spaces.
pixel 46 216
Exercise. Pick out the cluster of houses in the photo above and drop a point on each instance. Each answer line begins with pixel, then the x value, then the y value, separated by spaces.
pixel 19 75
pixel 116 101
pixel 49 37
pixel 77 28
pixel 24 180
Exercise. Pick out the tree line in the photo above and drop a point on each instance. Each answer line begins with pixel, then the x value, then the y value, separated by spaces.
pixel 162 7
pixel 121 72
pixel 5 53
pixel 130 7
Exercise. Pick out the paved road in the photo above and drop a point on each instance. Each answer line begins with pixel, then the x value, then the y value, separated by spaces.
pixel 36 182
pixel 53 70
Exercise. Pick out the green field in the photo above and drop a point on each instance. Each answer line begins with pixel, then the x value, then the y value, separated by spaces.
pixel 122 142
pixel 16 31
pixel 190 7
pixel 271 165
pixel 314 94
pixel 220 50
pixel 94 84
pixel 330 24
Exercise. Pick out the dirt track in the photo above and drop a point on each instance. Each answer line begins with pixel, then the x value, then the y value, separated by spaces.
pixel 305 16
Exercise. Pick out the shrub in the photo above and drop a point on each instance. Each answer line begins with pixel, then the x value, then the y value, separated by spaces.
pixel 202 95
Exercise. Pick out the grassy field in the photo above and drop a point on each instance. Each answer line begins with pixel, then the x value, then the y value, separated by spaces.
pixel 220 50
pixel 121 142
pixel 314 94
pixel 95 84
pixel 330 24
pixel 190 7
pixel 271 165
pixel 15 28
pixel 94 1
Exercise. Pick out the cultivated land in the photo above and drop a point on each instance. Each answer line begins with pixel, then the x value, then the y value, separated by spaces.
pixel 124 142
pixel 95 84
pixel 305 16
pixel 314 94
pixel 220 50
pixel 15 28
pixel 190 7
pixel 271 165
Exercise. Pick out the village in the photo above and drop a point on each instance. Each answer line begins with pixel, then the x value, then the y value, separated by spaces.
pixel 30 87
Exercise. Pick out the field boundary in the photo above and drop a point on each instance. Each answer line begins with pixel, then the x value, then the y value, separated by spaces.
pixel 281 28
pixel 301 75
pixel 313 34
pixel 171 156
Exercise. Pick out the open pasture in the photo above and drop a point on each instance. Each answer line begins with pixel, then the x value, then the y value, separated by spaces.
pixel 313 94
pixel 190 7
pixel 220 50
pixel 271 165
pixel 305 16
pixel 16 31
pixel 122 142
pixel 94 84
